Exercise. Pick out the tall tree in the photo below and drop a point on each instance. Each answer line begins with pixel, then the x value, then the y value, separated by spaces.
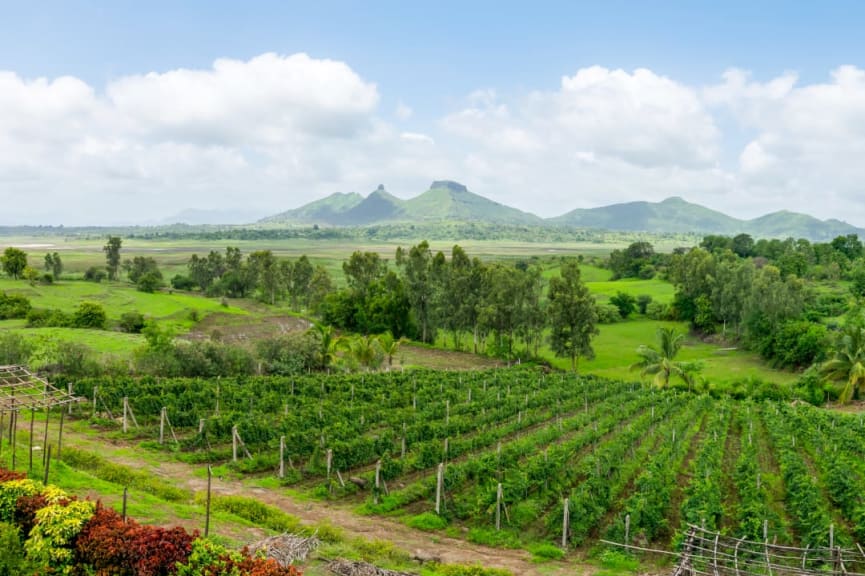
pixel 362 269
pixel 417 270
pixel 301 278
pixel 573 315
pixel 112 256
pixel 265 269
pixel 54 264
pixel 14 261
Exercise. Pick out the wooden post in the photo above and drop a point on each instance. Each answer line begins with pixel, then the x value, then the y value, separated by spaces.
pixel 329 457
pixel 201 425
pixel 45 435
pixel 207 505
pixel 162 426
pixel 447 412
pixel 765 529
pixel 95 389
pixel 47 465
pixel 499 507
pixel 402 448
pixel 60 434
pixel 69 406
pixel 125 496
pixel 446 448
pixel 377 481
pixel 566 522
pixel 439 486
pixel 125 411
pixel 234 443
pixel 281 457
pixel 831 535
pixel 32 419
pixel 14 436
pixel 627 527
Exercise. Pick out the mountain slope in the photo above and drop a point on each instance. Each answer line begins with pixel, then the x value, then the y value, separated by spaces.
pixel 671 215
pixel 324 211
pixel 450 201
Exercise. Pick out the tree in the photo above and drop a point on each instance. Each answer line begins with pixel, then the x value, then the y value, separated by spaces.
pixel 389 346
pixel 365 350
pixel 265 269
pixel 301 282
pixel 661 363
pixel 112 256
pixel 54 264
pixel 320 286
pixel 362 269
pixel 743 245
pixel 417 270
pixel 89 315
pixel 848 362
pixel 328 342
pixel 14 261
pixel 625 303
pixel 573 315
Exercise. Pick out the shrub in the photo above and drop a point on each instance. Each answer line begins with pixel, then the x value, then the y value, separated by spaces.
pixel 13 306
pixel 95 274
pixel 39 318
pixel 89 315
pixel 608 314
pixel 428 521
pixel 643 301
pixel 14 349
pixel 546 551
pixel 180 282
pixel 12 559
pixel 150 281
pixel 52 538
pixel 625 303
pixel 132 322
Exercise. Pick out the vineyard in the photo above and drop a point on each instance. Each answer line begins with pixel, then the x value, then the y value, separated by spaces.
pixel 516 456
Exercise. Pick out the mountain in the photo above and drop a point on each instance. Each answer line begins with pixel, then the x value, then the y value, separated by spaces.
pixel 671 215
pixel 677 215
pixel 448 201
pixel 324 211
pixel 444 201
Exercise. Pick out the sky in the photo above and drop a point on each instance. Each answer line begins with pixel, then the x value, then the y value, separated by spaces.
pixel 121 111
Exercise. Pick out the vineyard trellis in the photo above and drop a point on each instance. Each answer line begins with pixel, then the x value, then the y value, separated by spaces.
pixel 21 390
pixel 707 553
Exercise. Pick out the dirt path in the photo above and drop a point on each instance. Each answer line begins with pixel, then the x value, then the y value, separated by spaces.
pixel 414 542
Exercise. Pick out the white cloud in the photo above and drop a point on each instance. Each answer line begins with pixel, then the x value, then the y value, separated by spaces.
pixel 275 131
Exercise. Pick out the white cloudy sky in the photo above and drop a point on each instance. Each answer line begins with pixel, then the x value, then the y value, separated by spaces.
pixel 273 131
pixel 118 112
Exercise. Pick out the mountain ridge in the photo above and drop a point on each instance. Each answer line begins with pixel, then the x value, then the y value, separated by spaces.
pixel 449 201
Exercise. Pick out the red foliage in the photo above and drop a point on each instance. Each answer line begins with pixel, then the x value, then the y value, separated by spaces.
pixel 7 475
pixel 24 515
pixel 113 547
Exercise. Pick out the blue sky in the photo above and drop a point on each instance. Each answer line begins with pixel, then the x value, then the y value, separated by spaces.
pixel 456 71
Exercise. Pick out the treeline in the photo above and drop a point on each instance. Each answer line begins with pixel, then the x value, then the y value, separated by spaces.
pixel 758 293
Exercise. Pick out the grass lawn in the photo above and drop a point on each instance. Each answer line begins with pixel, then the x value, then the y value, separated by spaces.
pixel 616 350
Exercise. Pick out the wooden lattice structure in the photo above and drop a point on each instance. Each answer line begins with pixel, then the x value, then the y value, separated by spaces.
pixel 706 553
pixel 21 390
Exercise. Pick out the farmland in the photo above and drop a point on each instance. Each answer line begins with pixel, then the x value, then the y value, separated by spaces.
pixel 613 448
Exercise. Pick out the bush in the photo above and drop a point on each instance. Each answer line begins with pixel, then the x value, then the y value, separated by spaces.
pixel 659 311
pixel 625 303
pixel 40 318
pixel 14 349
pixel 150 282
pixel 643 301
pixel 12 559
pixel 89 315
pixel 132 322
pixel 546 551
pixel 95 274
pixel 71 359
pixel 180 282
pixel 428 521
pixel 13 306
pixel 608 314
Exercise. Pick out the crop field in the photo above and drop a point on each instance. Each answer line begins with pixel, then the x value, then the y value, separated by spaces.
pixel 615 450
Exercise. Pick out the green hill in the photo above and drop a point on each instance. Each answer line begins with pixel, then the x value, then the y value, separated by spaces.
pixel 448 201
pixel 671 215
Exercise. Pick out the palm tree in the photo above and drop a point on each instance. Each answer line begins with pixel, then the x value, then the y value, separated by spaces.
pixel 328 344
pixel 365 350
pixel 848 363
pixel 389 346
pixel 660 362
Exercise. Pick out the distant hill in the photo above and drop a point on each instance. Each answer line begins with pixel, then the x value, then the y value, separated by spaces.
pixel 445 201
pixel 197 217
pixel 677 215
pixel 448 201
